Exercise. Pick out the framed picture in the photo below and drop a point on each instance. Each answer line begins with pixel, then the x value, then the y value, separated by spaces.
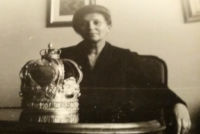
pixel 191 10
pixel 60 12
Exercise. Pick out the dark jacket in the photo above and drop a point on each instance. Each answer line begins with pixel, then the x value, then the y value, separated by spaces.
pixel 119 77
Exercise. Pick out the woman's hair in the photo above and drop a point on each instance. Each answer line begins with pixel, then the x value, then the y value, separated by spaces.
pixel 80 13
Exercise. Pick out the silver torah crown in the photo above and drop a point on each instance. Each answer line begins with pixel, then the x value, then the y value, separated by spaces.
pixel 46 77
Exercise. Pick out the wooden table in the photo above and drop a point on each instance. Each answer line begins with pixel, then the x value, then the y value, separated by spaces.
pixel 10 123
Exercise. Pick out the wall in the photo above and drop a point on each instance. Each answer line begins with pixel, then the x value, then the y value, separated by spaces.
pixel 153 27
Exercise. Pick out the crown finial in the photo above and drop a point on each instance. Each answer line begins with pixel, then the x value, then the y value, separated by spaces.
pixel 50 45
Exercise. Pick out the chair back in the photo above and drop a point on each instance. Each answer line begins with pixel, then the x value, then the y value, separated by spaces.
pixel 155 69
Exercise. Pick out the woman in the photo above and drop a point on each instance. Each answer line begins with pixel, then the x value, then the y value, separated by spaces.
pixel 107 66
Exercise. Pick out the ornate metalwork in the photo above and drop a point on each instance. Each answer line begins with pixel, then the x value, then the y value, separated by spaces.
pixel 70 105
pixel 44 86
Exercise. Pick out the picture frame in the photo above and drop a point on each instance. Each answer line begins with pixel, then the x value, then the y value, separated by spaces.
pixel 60 12
pixel 191 9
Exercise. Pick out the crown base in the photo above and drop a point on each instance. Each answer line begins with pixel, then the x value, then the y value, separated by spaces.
pixel 50 111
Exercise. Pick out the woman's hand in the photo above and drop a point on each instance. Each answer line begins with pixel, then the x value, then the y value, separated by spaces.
pixel 182 118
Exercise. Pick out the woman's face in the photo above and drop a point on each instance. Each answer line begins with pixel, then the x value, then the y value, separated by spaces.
pixel 94 27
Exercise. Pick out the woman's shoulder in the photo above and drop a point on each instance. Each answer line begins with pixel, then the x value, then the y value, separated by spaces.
pixel 123 51
pixel 70 50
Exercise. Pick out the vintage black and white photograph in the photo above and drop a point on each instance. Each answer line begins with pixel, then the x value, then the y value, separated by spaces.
pixel 100 66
